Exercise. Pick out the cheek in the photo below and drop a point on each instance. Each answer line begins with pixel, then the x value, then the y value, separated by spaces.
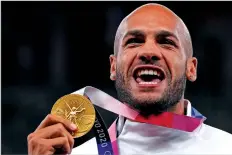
pixel 126 61
pixel 179 67
pixel 175 63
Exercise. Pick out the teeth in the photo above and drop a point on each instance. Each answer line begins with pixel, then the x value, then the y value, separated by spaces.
pixel 148 72
pixel 142 72
pixel 139 73
pixel 155 73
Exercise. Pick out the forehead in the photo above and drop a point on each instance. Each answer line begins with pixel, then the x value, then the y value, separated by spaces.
pixel 151 19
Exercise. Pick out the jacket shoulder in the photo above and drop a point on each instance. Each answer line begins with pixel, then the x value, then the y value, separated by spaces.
pixel 215 133
pixel 216 138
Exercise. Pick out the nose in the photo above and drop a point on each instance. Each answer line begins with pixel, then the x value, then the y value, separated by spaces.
pixel 149 53
pixel 148 58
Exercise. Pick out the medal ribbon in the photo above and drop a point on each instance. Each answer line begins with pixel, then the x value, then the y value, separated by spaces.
pixel 104 143
pixel 166 119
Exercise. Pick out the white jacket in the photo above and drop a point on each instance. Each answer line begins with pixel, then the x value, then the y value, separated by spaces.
pixel 141 138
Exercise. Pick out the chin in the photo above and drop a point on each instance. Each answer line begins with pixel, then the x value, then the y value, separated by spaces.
pixel 146 97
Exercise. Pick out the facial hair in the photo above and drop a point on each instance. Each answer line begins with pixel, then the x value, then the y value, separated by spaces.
pixel 169 98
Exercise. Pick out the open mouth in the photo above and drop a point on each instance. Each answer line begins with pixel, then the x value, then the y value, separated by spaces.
pixel 148 75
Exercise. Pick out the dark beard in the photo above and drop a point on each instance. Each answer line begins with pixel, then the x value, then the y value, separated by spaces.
pixel 170 97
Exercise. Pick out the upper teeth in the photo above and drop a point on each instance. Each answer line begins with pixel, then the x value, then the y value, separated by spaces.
pixel 148 72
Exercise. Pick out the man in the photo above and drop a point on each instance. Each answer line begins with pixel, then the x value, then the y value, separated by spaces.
pixel 153 58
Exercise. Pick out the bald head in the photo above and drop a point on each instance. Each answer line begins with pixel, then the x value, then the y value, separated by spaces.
pixel 161 14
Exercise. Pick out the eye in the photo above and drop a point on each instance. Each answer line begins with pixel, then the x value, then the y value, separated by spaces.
pixel 134 41
pixel 165 41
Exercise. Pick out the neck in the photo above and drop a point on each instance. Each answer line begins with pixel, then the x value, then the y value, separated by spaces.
pixel 179 108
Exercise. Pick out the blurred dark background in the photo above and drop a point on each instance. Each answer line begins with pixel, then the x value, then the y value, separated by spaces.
pixel 50 49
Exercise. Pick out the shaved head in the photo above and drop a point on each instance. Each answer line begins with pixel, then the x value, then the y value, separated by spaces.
pixel 157 10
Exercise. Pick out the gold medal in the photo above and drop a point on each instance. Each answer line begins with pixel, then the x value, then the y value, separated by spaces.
pixel 78 109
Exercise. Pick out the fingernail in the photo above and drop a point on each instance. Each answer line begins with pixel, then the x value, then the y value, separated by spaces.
pixel 73 126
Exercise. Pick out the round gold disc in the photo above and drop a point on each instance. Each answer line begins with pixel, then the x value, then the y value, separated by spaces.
pixel 78 109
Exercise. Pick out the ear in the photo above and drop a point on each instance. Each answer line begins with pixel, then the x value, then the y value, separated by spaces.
pixel 112 67
pixel 191 71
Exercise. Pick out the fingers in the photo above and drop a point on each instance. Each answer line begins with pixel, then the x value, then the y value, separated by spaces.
pixel 54 131
pixel 39 146
pixel 50 139
pixel 60 142
pixel 51 134
pixel 53 119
